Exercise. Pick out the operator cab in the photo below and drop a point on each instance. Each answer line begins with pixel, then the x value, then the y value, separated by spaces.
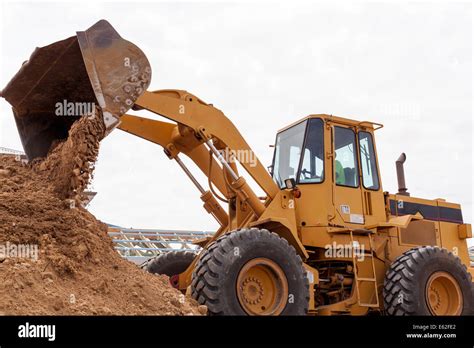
pixel 288 162
pixel 334 159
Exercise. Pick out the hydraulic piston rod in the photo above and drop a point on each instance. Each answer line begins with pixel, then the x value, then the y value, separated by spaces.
pixel 210 203
pixel 239 185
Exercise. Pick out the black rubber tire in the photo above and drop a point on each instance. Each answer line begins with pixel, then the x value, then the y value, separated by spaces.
pixel 406 279
pixel 170 263
pixel 215 276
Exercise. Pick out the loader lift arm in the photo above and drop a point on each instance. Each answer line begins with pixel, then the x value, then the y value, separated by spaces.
pixel 208 123
pixel 200 128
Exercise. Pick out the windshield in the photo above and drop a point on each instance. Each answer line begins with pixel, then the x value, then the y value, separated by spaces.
pixel 288 152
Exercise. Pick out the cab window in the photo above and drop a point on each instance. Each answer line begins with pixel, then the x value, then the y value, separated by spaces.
pixel 345 160
pixel 370 178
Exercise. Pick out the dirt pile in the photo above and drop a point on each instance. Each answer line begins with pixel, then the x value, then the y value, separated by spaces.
pixel 56 258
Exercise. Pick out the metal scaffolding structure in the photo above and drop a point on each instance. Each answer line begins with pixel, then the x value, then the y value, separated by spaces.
pixel 5 150
pixel 139 245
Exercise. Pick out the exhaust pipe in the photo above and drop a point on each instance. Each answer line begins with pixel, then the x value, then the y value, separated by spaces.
pixel 402 189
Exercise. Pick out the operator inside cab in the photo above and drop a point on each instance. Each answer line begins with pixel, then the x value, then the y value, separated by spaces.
pixel 340 175
pixel 345 157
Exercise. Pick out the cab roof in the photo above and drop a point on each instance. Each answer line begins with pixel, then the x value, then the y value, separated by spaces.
pixel 338 120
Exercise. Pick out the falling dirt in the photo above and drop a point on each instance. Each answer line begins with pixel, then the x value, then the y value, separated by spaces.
pixel 70 164
pixel 75 271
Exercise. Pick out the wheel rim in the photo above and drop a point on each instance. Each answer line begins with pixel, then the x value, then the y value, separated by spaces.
pixel 262 287
pixel 443 294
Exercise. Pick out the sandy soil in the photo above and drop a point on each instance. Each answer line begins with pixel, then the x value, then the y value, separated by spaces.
pixel 77 271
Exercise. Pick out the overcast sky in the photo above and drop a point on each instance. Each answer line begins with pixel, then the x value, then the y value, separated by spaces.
pixel 406 65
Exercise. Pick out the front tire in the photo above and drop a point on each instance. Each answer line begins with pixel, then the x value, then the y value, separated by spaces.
pixel 251 272
pixel 428 281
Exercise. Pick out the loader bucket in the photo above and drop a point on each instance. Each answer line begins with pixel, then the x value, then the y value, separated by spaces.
pixel 67 79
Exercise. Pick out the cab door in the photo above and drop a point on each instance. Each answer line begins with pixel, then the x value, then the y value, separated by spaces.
pixel 347 193
pixel 372 192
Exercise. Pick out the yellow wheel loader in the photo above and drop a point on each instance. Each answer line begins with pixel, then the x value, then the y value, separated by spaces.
pixel 324 239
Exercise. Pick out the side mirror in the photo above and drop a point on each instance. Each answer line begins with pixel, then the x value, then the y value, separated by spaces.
pixel 290 183
pixel 270 170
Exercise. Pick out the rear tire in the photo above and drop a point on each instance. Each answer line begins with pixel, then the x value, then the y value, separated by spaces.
pixel 171 263
pixel 428 281
pixel 251 272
